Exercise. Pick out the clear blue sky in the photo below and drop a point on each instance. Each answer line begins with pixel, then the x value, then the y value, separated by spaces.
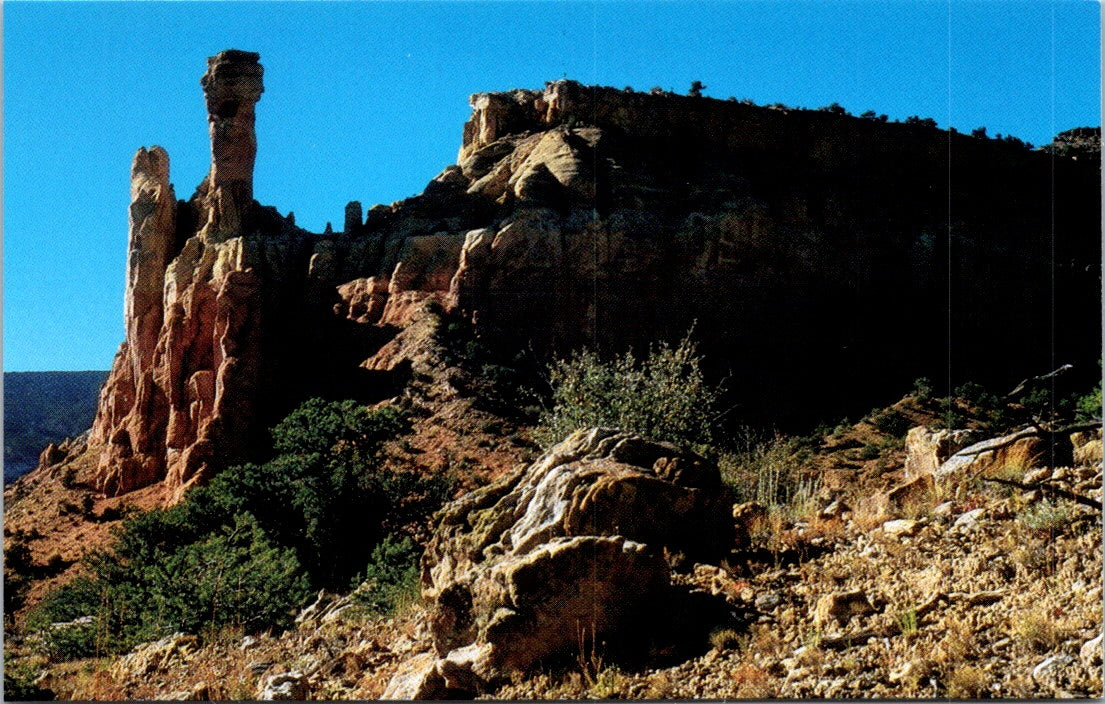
pixel 365 101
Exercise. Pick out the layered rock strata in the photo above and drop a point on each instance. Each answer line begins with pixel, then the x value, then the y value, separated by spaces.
pixel 817 255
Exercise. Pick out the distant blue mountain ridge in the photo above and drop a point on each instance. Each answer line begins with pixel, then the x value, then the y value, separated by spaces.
pixel 44 407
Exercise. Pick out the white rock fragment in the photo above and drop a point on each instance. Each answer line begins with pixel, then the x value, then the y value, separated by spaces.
pixel 286 686
pixel 902 527
pixel 1049 670
pixel 1091 654
pixel 969 521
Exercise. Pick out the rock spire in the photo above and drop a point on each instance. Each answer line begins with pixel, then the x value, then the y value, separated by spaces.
pixel 232 86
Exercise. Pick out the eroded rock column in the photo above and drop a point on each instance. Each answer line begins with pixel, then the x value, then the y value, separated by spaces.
pixel 131 417
pixel 232 86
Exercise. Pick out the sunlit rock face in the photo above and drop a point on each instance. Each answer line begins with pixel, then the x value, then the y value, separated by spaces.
pixel 824 261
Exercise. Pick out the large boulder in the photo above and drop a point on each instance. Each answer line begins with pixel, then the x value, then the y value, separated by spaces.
pixel 994 454
pixel 1087 447
pixel 571 547
pixel 926 449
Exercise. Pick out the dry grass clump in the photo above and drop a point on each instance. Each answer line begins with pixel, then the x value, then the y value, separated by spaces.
pixel 828 528
pixel 770 472
pixel 725 639
pixel 767 641
pixel 93 680
pixel 1037 630
pixel 967 682
pixel 753 681
pixel 957 645
pixel 608 683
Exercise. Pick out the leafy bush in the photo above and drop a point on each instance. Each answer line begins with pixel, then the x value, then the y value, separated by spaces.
pixel 19 684
pixel 869 451
pixel 391 580
pixel 664 396
pixel 1046 517
pixel 326 494
pixel 891 422
pixel 1088 407
pixel 922 389
pixel 506 375
pixel 147 588
pixel 248 549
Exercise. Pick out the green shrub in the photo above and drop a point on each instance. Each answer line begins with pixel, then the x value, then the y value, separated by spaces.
pixel 248 549
pixel 908 622
pixel 1088 407
pixel 505 374
pixel 390 581
pixel 73 603
pixel 891 422
pixel 769 471
pixel 146 588
pixel 326 493
pixel 664 396
pixel 1047 517
pixel 19 684
pixel 869 451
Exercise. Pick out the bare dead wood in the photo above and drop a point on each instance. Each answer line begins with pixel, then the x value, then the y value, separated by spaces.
pixel 849 640
pixel 1048 489
pixel 1031 433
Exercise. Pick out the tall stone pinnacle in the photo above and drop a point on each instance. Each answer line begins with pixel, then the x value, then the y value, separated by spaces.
pixel 232 86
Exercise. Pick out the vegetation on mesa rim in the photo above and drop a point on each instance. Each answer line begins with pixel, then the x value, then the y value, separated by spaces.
pixel 249 549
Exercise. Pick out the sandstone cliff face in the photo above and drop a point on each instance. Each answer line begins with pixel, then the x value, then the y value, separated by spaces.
pixel 200 280
pixel 817 254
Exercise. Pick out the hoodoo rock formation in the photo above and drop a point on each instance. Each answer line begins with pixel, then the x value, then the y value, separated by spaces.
pixel 182 386
pixel 822 258
pixel 232 87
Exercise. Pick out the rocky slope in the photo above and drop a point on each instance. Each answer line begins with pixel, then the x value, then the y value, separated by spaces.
pixel 965 590
pixel 798 240
pixel 803 243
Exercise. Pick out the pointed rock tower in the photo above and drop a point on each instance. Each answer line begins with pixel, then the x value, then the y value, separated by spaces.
pixel 232 86
pixel 178 392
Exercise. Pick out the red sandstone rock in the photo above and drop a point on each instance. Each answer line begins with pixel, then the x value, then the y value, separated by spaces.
pixel 584 215
pixel 231 86
pixel 183 384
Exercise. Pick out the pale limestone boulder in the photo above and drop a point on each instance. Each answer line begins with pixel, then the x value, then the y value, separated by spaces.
pixel 841 607
pixel 157 656
pixel 568 547
pixel 912 497
pixel 927 449
pixel 1091 652
pixel 284 686
pixel 988 455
